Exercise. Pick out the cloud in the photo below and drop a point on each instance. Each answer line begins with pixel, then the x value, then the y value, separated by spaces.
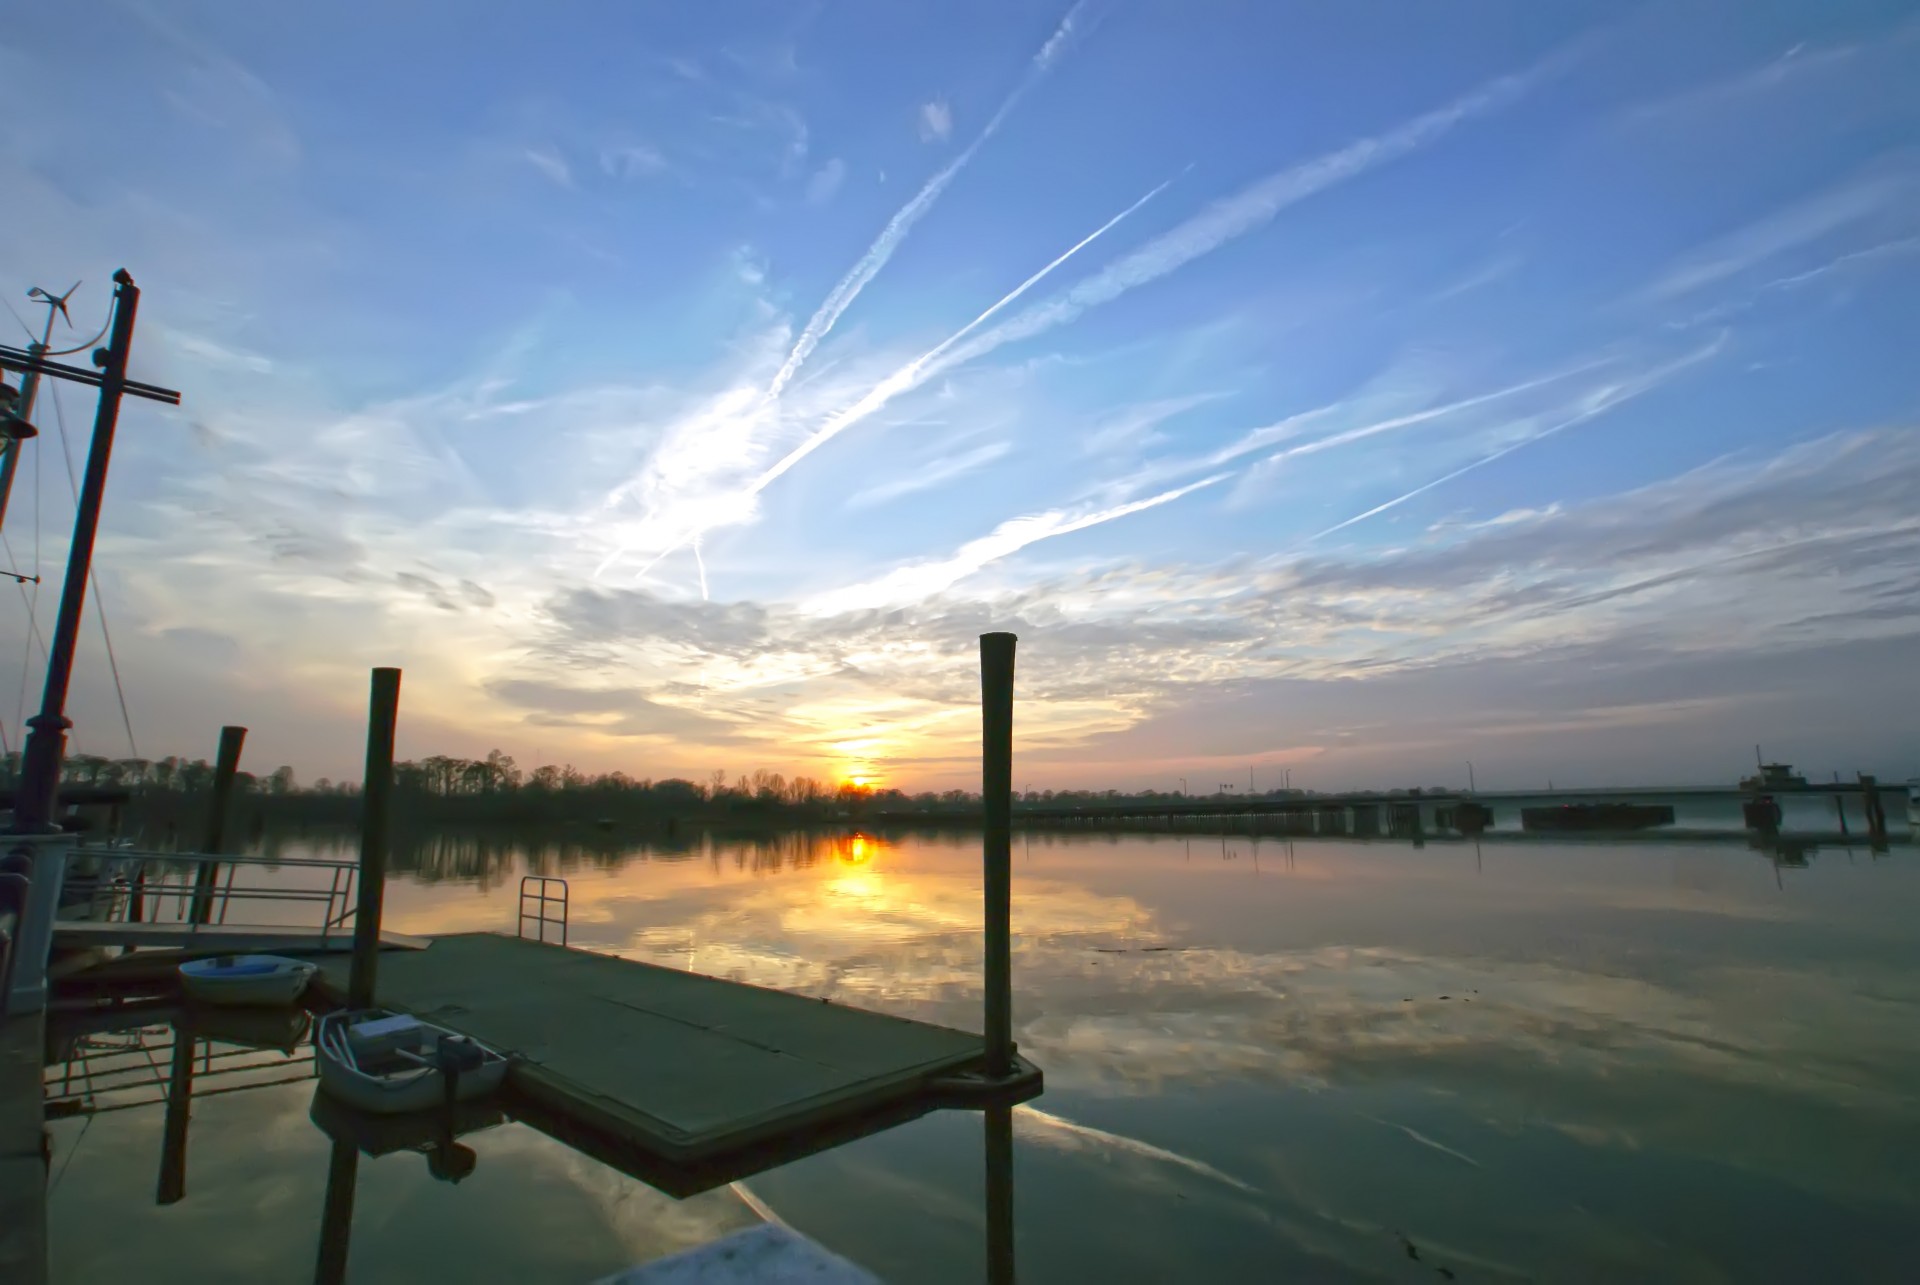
pixel 718 509
pixel 1805 222
pixel 920 580
pixel 550 164
pixel 1221 222
pixel 629 161
pixel 1594 404
pixel 936 121
pixel 930 476
pixel 825 182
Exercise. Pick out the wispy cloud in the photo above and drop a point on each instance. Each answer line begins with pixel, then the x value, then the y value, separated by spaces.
pixel 930 476
pixel 1593 405
pixel 550 163
pixel 936 121
pixel 1799 224
pixel 738 506
pixel 825 182
pixel 920 580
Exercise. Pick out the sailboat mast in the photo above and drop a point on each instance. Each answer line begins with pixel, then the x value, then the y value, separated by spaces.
pixel 36 802
pixel 29 386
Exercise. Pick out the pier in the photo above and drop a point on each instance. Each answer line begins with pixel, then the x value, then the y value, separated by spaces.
pixel 682 1068
pixel 683 1080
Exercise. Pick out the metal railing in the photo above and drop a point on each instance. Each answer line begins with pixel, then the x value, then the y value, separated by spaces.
pixel 120 1069
pixel 536 889
pixel 144 886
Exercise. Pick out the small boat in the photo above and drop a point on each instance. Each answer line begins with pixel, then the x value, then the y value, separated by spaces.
pixel 388 1063
pixel 246 979
pixel 433 1134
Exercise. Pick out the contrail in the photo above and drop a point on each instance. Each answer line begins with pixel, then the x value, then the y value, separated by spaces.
pixel 1605 402
pixel 1253 207
pixel 918 580
pixel 914 372
pixel 869 265
pixel 905 379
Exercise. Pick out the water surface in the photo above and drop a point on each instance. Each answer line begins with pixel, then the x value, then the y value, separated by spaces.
pixel 1320 1061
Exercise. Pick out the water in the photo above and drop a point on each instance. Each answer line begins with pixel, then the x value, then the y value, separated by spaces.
pixel 1318 1061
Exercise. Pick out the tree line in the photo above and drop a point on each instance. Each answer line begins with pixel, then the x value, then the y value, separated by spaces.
pixel 170 792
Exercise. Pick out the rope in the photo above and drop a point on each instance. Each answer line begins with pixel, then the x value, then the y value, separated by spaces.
pixel 93 578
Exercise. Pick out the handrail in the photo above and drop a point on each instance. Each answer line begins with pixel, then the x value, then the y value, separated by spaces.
pixel 542 899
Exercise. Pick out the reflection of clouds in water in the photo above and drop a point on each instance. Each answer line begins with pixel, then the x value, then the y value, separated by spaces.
pixel 256 1172
pixel 1049 1130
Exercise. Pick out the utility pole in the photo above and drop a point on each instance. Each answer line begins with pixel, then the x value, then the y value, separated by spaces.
pixel 29 387
pixel 1471 788
pixel 1183 784
pixel 36 799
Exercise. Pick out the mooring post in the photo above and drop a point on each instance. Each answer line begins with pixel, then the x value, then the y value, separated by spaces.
pixel 172 1187
pixel 996 794
pixel 1875 808
pixel 376 798
pixel 224 771
pixel 336 1213
pixel 999 1131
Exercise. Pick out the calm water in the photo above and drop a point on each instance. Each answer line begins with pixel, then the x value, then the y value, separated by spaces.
pixel 1317 1061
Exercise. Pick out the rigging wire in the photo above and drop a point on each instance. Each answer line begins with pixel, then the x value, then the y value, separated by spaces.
pixel 99 605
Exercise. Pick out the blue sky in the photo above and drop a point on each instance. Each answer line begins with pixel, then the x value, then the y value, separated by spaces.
pixel 1354 389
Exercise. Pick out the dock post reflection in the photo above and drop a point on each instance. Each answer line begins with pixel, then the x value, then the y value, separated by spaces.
pixel 999 1129
pixel 336 1218
pixel 172 1187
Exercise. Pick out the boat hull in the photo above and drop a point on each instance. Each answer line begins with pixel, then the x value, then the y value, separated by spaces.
pixel 247 981
pixel 423 1089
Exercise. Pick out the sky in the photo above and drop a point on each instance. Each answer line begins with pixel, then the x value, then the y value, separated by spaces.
pixel 1348 391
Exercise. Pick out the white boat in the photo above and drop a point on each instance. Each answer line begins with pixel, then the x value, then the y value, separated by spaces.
pixel 388 1063
pixel 246 979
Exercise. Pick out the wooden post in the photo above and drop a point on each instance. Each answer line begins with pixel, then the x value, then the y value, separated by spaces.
pixel 996 793
pixel 999 1131
pixel 1875 808
pixel 224 770
pixel 172 1187
pixel 336 1213
pixel 376 798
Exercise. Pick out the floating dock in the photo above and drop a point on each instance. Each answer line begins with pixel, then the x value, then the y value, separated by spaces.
pixel 687 1069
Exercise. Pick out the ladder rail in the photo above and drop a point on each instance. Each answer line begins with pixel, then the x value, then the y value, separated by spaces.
pixel 537 899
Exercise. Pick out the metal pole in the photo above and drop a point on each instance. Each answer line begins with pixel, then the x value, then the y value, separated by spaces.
pixel 1471 787
pixel 225 769
pixel 996 789
pixel 383 712
pixel 34 803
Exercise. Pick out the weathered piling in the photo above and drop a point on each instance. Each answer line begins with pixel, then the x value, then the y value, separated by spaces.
pixel 1875 806
pixel 383 712
pixel 172 1187
pixel 225 768
pixel 996 791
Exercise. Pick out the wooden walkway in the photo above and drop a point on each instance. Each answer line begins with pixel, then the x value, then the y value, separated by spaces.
pixel 684 1067
pixel 23 1166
